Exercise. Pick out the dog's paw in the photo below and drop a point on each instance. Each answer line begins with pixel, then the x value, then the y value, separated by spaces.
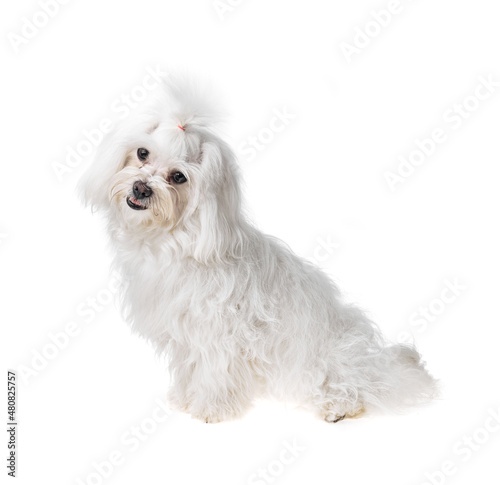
pixel 215 414
pixel 334 418
pixel 211 419
pixel 335 412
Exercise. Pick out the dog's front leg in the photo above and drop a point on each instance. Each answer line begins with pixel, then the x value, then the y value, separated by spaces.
pixel 222 385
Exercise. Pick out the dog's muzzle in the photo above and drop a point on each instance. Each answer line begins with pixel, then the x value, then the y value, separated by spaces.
pixel 142 192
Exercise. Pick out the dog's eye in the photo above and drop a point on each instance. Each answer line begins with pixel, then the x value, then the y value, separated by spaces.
pixel 178 177
pixel 142 154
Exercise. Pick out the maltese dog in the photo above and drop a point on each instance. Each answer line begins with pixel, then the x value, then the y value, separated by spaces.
pixel 238 314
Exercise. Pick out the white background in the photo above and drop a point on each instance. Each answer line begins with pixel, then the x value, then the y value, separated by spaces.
pixel 320 179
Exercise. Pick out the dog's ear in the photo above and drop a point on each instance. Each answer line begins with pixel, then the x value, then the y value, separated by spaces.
pixel 108 160
pixel 218 224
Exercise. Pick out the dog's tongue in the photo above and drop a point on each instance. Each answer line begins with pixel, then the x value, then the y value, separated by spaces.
pixel 135 201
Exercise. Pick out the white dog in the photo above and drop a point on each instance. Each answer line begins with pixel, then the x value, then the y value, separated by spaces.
pixel 238 314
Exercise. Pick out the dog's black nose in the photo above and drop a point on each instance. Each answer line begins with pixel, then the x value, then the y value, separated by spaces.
pixel 141 190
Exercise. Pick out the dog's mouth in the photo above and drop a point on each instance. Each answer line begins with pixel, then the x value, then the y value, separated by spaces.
pixel 135 204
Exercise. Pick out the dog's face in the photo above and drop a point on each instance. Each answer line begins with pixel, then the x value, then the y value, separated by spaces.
pixel 164 167
pixel 158 178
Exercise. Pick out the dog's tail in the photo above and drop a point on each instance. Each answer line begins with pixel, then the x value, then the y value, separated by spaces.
pixel 399 380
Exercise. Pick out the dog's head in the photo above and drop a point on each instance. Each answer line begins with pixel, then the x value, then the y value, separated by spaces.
pixel 165 168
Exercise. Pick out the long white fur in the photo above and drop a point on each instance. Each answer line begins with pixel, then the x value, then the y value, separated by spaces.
pixel 237 313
